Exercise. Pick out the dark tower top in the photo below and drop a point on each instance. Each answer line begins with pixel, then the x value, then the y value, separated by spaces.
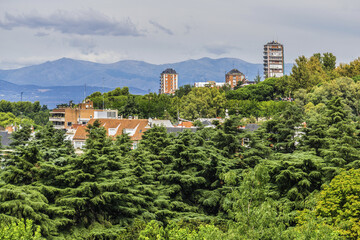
pixel 169 71
pixel 234 72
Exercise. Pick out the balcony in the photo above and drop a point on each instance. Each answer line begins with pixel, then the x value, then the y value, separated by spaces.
pixel 56 119
pixel 59 126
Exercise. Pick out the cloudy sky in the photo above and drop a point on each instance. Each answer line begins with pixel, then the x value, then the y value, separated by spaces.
pixel 164 31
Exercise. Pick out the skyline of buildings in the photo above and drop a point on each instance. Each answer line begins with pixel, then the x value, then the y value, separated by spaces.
pixel 273 67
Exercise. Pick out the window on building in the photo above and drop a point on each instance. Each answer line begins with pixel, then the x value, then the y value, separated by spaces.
pixel 69 124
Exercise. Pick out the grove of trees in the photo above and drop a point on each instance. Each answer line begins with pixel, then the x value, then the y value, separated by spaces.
pixel 296 177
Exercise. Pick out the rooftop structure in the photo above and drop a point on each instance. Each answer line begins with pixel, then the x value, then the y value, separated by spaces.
pixel 210 84
pixel 5 138
pixel 156 122
pixel 168 81
pixel 273 59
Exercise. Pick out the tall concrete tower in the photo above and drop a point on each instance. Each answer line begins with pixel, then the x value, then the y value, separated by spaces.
pixel 273 59
pixel 168 81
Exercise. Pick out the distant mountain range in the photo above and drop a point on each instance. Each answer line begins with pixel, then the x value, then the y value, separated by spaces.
pixel 50 96
pixel 62 80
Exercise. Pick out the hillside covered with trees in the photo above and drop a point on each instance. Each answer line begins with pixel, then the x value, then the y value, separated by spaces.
pixel 297 177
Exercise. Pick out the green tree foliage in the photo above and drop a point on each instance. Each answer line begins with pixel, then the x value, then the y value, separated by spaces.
pixel 307 73
pixel 257 78
pixel 250 206
pixel 296 176
pixel 349 70
pixel 327 60
pixel 183 91
pixel 283 129
pixel 215 183
pixel 19 230
pixel 249 108
pixel 203 102
pixel 191 177
pixel 21 136
pixel 24 111
pixel 29 186
pixel 345 88
pixel 174 231
pixel 263 91
pixel 338 204
pixel 9 119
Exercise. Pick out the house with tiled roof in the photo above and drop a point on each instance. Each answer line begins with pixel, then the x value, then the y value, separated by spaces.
pixel 135 128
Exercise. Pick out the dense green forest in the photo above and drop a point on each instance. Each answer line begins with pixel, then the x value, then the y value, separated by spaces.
pixel 297 177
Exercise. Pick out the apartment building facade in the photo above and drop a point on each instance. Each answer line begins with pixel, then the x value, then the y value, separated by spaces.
pixel 273 59
pixel 233 77
pixel 168 81
pixel 66 118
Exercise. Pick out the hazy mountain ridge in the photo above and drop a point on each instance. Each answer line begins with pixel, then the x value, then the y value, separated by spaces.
pixel 52 95
pixel 60 81
pixel 131 73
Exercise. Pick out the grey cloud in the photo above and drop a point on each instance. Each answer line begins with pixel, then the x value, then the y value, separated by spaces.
pixel 82 23
pixel 41 34
pixel 85 45
pixel 160 27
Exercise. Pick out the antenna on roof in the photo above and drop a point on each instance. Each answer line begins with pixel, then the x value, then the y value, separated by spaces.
pixel 85 92
pixel 103 93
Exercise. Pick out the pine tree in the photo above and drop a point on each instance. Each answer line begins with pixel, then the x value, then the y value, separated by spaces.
pixel 104 192
pixel 191 179
pixel 282 130
pixel 21 136
pixel 21 193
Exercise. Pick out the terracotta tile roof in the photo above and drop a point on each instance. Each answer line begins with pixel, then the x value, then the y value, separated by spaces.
pixel 186 124
pixel 75 126
pixel 80 133
pixel 141 125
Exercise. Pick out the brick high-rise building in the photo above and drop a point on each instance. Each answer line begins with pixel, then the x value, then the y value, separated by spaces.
pixel 168 81
pixel 233 77
pixel 273 59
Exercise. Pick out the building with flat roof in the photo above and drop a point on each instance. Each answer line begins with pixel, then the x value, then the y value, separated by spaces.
pixel 168 81
pixel 67 117
pixel 233 77
pixel 273 59
pixel 210 84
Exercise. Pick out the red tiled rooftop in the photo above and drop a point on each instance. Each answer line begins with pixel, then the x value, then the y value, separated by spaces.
pixel 186 124
pixel 121 124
